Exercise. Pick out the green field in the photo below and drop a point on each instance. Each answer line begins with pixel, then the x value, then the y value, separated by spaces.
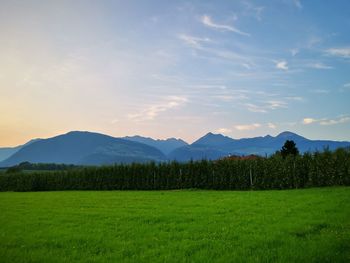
pixel 310 225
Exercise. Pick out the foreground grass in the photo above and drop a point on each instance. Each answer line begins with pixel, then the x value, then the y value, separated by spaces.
pixel 311 225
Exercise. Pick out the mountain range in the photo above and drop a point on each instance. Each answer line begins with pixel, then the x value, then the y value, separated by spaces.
pixel 88 148
pixel 165 146
pixel 84 148
pixel 6 152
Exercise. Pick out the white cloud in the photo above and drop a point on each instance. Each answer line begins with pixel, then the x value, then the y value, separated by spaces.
pixel 319 65
pixel 347 85
pixel 255 108
pixel 276 104
pixel 307 121
pixel 266 106
pixel 223 130
pixel 335 121
pixel 326 121
pixel 246 65
pixel 282 65
pixel 247 127
pixel 271 125
pixel 151 112
pixel 207 21
pixel 339 52
pixel 194 41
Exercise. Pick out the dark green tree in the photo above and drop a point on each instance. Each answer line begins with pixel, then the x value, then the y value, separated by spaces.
pixel 289 148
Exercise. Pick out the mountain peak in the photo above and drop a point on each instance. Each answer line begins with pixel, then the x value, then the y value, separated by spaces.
pixel 165 146
pixel 288 134
pixel 78 132
pixel 213 139
pixel 214 135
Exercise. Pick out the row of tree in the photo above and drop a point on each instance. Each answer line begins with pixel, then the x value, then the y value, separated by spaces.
pixel 276 172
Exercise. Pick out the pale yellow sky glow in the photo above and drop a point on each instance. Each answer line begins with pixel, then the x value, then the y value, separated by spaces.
pixel 170 69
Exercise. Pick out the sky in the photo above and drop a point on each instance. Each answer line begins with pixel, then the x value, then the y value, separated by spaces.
pixel 179 69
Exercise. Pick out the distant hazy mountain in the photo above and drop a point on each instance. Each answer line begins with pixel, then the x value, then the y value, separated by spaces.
pixel 165 146
pixel 6 152
pixel 89 148
pixel 212 146
pixel 84 148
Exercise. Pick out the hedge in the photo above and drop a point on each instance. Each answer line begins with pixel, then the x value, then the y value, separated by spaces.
pixel 309 170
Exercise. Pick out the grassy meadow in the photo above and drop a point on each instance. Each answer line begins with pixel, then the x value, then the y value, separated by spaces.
pixel 309 225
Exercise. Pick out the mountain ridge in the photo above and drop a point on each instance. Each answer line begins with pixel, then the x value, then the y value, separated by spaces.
pixel 91 148
pixel 221 146
pixel 6 152
pixel 84 148
pixel 165 146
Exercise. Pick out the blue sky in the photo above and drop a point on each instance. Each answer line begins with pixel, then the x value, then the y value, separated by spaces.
pixel 174 68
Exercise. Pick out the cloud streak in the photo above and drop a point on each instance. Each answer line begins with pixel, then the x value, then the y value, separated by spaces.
pixel 223 130
pixel 272 125
pixel 339 52
pixel 266 106
pixel 194 41
pixel 247 127
pixel 207 21
pixel 326 121
pixel 319 65
pixel 151 112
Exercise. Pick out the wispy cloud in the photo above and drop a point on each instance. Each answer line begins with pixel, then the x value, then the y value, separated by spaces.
pixel 295 98
pixel 327 121
pixel 318 65
pixel 255 108
pixel 320 91
pixel 223 130
pixel 226 98
pixel 335 121
pixel 151 112
pixel 247 127
pixel 207 21
pixel 115 121
pixel 266 106
pixel 298 4
pixel 271 125
pixel 194 41
pixel 294 51
pixel 253 10
pixel 215 53
pixel 345 87
pixel 312 41
pixel 339 52
pixel 282 65
pixel 276 104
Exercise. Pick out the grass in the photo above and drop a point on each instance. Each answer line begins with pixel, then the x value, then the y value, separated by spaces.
pixel 310 225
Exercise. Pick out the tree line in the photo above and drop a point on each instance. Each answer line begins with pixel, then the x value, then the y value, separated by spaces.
pixel 279 171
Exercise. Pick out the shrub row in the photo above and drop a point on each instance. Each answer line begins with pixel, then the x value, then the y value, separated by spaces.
pixel 308 170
